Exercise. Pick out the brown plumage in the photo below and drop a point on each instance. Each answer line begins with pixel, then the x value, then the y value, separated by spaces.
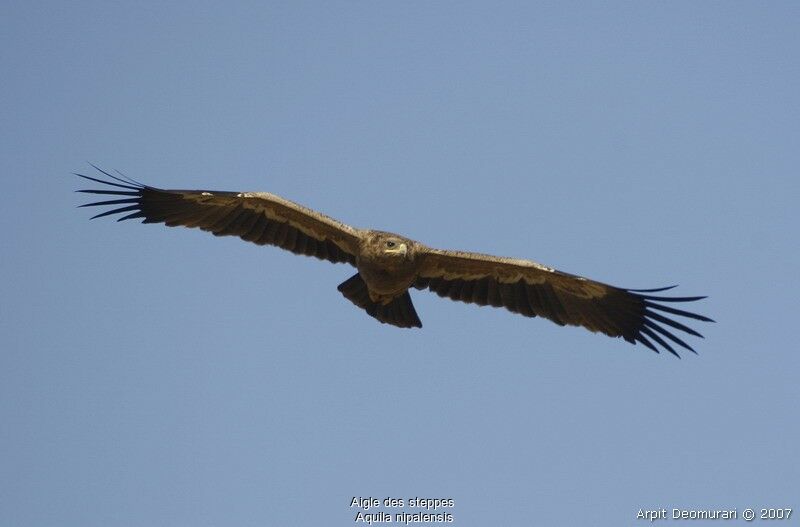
pixel 389 264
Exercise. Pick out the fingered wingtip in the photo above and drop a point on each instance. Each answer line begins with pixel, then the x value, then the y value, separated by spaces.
pixel 657 330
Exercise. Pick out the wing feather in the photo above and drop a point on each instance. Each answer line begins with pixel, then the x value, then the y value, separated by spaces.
pixel 532 289
pixel 257 217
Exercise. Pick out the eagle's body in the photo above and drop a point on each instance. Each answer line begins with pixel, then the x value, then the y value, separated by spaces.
pixel 389 265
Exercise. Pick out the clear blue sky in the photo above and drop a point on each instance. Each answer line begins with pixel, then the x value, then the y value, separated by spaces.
pixel 154 376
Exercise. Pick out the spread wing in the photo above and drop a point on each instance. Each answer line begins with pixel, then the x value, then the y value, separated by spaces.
pixel 256 217
pixel 531 289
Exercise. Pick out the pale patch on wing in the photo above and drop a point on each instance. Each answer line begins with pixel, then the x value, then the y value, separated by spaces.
pixel 458 265
pixel 296 215
pixel 308 221
pixel 455 265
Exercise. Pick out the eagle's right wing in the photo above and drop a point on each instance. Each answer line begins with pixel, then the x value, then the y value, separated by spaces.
pixel 257 217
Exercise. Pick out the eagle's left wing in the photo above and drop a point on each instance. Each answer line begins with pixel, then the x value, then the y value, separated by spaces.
pixel 532 289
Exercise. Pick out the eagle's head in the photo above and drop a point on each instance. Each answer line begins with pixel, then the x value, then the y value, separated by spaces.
pixel 395 246
pixel 388 246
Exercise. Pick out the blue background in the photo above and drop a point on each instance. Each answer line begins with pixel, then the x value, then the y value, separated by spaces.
pixel 154 376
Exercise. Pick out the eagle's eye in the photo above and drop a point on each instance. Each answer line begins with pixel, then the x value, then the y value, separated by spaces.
pixel 390 244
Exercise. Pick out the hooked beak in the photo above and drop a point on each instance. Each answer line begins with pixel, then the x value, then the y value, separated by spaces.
pixel 401 248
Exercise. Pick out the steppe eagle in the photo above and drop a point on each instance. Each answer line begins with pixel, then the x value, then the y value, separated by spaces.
pixel 389 264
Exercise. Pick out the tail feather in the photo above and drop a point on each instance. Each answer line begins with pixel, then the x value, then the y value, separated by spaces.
pixel 399 312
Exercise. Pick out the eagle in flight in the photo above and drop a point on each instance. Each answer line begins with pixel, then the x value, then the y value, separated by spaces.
pixel 389 264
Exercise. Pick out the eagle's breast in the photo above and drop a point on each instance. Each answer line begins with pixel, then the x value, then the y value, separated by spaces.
pixel 387 272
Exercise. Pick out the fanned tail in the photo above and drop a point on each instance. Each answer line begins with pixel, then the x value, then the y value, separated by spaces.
pixel 399 312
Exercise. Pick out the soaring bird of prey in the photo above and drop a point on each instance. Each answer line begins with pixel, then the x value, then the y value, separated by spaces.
pixel 389 264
